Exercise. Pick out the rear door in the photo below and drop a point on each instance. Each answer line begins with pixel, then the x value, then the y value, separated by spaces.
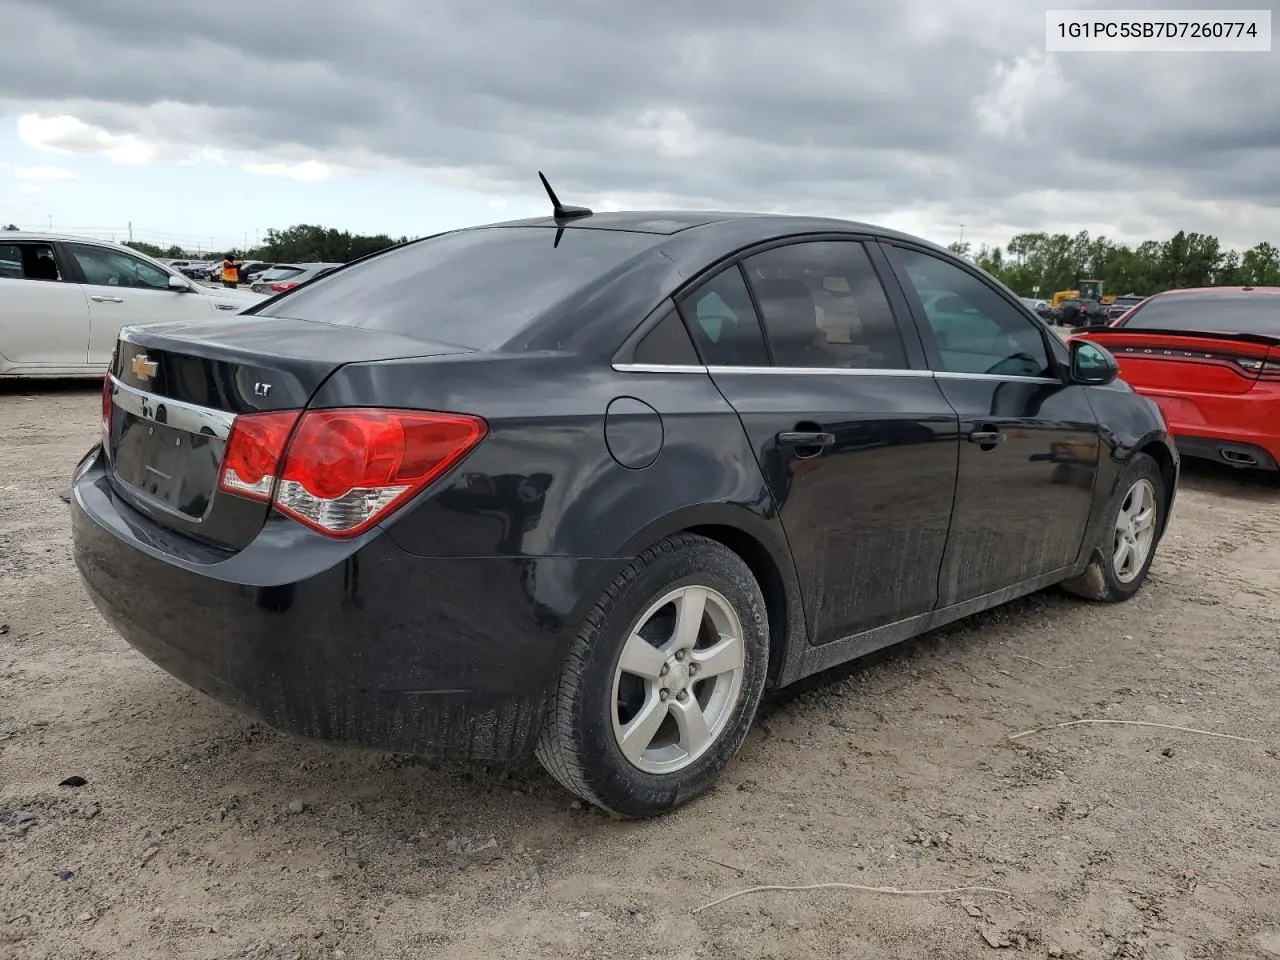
pixel 1030 442
pixel 124 290
pixel 852 434
pixel 44 317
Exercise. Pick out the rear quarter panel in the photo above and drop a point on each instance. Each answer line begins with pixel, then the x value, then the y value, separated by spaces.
pixel 543 483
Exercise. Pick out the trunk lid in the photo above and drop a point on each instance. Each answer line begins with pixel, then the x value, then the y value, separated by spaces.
pixel 1180 361
pixel 176 388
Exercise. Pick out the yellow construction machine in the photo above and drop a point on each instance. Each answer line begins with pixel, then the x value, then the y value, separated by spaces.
pixel 1085 290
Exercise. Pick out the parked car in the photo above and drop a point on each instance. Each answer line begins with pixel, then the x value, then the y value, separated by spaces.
pixel 1122 305
pixel 555 486
pixel 252 269
pixel 1210 357
pixel 285 276
pixel 196 269
pixel 1080 312
pixel 1042 308
pixel 64 299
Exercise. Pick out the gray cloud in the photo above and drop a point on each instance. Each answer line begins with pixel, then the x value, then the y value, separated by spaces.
pixel 936 111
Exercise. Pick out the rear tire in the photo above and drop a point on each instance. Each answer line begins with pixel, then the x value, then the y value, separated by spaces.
pixel 663 681
pixel 1135 518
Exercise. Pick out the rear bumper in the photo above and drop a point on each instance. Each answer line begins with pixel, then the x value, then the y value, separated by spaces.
pixel 1231 452
pixel 1242 430
pixel 355 642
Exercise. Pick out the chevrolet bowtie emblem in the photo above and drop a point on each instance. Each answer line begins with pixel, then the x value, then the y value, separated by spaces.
pixel 144 368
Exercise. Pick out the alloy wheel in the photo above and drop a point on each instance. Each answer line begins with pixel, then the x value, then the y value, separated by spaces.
pixel 678 679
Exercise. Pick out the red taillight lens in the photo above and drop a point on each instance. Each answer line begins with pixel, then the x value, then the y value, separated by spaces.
pixel 253 453
pixel 282 287
pixel 345 469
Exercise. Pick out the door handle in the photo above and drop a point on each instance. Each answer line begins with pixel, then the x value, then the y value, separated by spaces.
pixel 97 299
pixel 798 438
pixel 988 437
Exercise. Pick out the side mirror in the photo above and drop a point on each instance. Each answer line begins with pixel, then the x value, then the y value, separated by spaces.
pixel 178 284
pixel 1092 364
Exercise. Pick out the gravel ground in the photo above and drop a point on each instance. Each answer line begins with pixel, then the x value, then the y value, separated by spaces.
pixel 200 834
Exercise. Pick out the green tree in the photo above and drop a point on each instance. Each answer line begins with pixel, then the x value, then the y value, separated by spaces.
pixel 310 243
pixel 150 249
pixel 1260 266
pixel 1054 262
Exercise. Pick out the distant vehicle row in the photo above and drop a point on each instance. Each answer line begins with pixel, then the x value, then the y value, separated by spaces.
pixel 259 275
pixel 1082 311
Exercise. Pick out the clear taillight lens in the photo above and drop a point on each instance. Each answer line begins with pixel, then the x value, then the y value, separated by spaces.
pixel 341 471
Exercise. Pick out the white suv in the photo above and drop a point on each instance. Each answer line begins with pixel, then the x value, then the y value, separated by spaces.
pixel 64 299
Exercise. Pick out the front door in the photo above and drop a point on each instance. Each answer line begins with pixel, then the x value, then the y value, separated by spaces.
pixel 1029 439
pixel 855 440
pixel 44 317
pixel 124 290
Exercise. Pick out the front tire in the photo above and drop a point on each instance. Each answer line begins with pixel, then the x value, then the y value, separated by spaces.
pixel 663 681
pixel 1135 518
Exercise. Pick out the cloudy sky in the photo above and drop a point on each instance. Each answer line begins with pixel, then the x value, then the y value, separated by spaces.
pixel 209 122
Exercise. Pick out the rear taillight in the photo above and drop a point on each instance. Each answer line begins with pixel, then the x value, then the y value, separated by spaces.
pixel 341 471
pixel 282 287
pixel 106 407
pixel 1271 365
pixel 253 453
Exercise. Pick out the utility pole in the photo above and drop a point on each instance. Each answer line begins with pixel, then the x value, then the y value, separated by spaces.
pixel 962 233
pixel 51 221
pixel 131 231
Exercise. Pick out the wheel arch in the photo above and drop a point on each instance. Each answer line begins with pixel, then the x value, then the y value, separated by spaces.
pixel 764 568
pixel 755 534
pixel 1168 464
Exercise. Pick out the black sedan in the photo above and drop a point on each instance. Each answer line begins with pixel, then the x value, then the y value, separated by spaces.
pixel 587 485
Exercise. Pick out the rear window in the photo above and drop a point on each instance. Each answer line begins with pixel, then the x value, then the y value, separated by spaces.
pixel 280 273
pixel 473 288
pixel 1220 313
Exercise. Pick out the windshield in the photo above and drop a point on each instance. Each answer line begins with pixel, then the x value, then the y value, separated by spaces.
pixel 1212 313
pixel 473 288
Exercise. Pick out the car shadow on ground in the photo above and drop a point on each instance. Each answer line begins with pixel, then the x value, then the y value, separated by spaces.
pixel 29 388
pixel 1222 480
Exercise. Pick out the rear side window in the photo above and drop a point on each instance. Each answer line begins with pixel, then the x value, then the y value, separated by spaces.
pixel 823 306
pixel 1218 313
pixel 667 343
pixel 29 261
pixel 473 288
pixel 724 322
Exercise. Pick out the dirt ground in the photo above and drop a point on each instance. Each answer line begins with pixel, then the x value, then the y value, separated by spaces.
pixel 200 834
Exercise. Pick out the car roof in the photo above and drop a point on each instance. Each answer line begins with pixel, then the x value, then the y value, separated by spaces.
pixel 1211 291
pixel 42 236
pixel 726 223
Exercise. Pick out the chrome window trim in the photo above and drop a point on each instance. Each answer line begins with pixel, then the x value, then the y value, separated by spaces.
pixel 948 375
pixel 826 371
pixel 188 417
pixel 659 368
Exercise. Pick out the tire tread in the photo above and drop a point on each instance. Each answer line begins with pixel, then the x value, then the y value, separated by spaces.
pixel 560 748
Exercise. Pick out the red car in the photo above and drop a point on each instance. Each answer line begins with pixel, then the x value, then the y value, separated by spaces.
pixel 1210 357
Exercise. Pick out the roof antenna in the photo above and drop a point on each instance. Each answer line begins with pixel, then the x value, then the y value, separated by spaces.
pixel 558 210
